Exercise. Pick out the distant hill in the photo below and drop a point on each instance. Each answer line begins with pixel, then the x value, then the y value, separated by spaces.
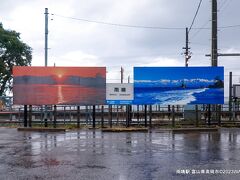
pixel 97 81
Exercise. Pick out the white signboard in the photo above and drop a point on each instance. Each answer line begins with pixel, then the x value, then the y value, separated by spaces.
pixel 118 91
pixel 236 90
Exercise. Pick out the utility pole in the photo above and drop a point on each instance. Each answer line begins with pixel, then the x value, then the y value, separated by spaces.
pixel 121 75
pixel 214 52
pixel 187 53
pixel 46 57
pixel 46 36
pixel 214 49
pixel 230 96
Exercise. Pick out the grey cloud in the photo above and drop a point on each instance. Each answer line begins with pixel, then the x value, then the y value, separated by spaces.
pixel 118 45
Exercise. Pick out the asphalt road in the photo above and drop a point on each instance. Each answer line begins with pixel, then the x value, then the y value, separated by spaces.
pixel 90 155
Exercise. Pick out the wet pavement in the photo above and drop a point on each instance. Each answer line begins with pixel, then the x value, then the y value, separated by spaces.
pixel 88 154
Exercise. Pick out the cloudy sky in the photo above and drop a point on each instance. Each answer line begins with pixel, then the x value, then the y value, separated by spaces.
pixel 79 43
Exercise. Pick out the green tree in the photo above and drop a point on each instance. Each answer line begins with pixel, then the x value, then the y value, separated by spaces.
pixel 13 52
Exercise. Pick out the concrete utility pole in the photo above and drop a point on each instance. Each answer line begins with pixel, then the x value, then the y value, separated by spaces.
pixel 214 49
pixel 230 96
pixel 46 57
pixel 46 36
pixel 121 75
pixel 187 53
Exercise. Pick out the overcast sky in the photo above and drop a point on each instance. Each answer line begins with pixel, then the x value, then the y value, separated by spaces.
pixel 79 43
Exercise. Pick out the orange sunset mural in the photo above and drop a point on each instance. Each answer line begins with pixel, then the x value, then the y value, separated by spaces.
pixel 59 85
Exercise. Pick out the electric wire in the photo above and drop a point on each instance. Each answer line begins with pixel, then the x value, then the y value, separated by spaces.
pixel 121 25
pixel 199 30
pixel 140 26
pixel 224 5
pixel 196 13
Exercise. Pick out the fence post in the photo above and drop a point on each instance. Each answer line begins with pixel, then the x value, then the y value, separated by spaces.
pixel 117 116
pixel 209 114
pixel 64 115
pixel 127 115
pixel 130 114
pixel 197 119
pixel 138 114
pixel 219 114
pixel 45 116
pixel 173 116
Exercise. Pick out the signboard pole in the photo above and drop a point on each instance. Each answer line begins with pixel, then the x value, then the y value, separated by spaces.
pixel 138 114
pixel 150 116
pixel 102 116
pixel 169 112
pixel 94 116
pixel 173 116
pixel 45 116
pixel 54 116
pixel 145 115
pixel 30 116
pixel 78 116
pixel 25 116
pixel 110 115
pixel 86 115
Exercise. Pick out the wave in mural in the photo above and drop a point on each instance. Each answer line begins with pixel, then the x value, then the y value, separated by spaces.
pixel 178 85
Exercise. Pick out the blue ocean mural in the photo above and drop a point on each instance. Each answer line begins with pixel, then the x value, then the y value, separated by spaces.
pixel 178 85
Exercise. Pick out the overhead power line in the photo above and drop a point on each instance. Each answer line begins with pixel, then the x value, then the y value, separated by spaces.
pixel 199 30
pixel 140 26
pixel 224 5
pixel 200 2
pixel 230 26
pixel 121 25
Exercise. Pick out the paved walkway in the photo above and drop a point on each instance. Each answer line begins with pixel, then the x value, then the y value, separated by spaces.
pixel 109 156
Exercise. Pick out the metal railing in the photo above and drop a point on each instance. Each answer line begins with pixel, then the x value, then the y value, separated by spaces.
pixel 105 115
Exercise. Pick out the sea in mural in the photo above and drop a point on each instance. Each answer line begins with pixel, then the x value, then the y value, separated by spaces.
pixel 178 85
pixel 59 85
